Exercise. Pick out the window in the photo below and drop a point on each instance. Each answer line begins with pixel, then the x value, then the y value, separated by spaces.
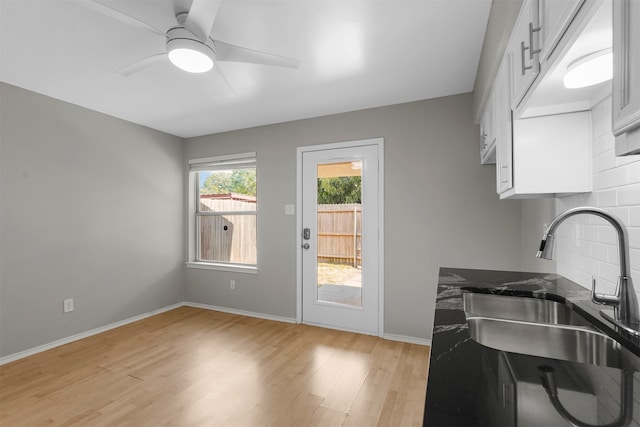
pixel 223 212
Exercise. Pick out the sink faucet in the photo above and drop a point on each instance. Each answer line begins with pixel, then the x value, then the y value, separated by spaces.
pixel 624 302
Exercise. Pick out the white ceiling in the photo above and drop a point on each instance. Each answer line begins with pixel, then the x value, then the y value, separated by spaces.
pixel 353 54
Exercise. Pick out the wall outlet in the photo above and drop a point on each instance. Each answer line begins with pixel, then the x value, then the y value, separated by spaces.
pixel 289 209
pixel 68 305
pixel 232 284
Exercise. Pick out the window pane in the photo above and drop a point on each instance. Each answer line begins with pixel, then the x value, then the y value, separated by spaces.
pixel 227 190
pixel 228 238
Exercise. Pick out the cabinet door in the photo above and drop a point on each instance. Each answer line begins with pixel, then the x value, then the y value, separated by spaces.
pixel 504 145
pixel 626 76
pixel 523 50
pixel 507 393
pixel 487 131
pixel 555 17
pixel 552 154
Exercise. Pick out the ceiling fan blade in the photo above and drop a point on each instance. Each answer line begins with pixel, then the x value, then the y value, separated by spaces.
pixel 223 80
pixel 120 16
pixel 136 66
pixel 233 53
pixel 201 17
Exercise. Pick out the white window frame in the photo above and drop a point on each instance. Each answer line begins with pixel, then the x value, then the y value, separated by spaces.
pixel 209 163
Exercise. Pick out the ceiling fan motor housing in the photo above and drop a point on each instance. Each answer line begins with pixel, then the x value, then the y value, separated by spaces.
pixel 181 41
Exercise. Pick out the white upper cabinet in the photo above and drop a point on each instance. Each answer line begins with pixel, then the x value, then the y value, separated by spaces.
pixel 487 132
pixel 543 132
pixel 503 128
pixel 555 17
pixel 626 76
pixel 523 51
pixel 551 156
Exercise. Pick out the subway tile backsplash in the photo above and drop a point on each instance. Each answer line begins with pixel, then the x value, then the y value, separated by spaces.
pixel 587 245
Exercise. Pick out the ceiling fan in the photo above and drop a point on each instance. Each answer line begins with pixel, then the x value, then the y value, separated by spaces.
pixel 189 45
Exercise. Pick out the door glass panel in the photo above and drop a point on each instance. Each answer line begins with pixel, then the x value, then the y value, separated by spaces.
pixel 339 237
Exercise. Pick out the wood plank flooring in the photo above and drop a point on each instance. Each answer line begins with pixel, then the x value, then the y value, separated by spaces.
pixel 194 367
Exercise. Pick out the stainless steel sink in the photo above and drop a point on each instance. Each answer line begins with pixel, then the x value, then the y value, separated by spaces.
pixel 541 328
pixel 521 308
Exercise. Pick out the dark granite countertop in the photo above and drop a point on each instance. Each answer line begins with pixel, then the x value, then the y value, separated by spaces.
pixel 473 385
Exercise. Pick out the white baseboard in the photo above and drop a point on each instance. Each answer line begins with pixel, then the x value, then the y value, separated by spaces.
pixel 410 340
pixel 44 347
pixel 76 337
pixel 390 337
pixel 240 312
pixel 339 328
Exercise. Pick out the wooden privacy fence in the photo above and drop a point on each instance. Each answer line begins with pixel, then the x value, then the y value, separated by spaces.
pixel 340 234
pixel 228 238
pixel 232 238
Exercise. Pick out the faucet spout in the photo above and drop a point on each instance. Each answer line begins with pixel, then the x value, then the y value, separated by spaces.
pixel 625 303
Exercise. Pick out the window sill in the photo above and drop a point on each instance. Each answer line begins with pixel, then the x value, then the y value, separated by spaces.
pixel 222 267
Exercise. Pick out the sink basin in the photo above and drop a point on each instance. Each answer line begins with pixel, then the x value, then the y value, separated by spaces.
pixel 575 344
pixel 521 308
pixel 541 328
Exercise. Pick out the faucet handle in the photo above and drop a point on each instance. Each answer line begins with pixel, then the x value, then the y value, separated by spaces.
pixel 602 298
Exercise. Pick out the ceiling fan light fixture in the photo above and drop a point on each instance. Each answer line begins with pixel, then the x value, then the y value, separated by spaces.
pixel 591 69
pixel 189 54
pixel 190 60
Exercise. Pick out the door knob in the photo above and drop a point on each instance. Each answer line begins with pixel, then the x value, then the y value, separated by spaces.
pixel 305 246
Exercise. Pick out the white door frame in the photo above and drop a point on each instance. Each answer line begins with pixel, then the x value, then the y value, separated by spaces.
pixel 379 142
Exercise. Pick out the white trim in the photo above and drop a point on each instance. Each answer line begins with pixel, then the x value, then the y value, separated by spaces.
pixel 193 235
pixel 300 150
pixel 222 158
pixel 299 235
pixel 240 312
pixel 381 237
pixel 340 328
pixel 410 340
pixel 222 267
pixel 57 343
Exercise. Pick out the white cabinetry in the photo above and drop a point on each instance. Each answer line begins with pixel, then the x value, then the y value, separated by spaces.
pixel 626 76
pixel 487 133
pixel 503 129
pixel 555 17
pixel 551 155
pixel 523 50
pixel 547 153
pixel 539 156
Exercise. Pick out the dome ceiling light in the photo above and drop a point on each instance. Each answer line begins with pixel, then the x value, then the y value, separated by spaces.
pixel 590 69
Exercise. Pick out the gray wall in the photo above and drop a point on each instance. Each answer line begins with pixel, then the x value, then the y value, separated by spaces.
pixel 502 18
pixel 91 209
pixel 433 181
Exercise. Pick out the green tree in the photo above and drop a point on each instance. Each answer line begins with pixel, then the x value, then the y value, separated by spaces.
pixel 239 181
pixel 340 190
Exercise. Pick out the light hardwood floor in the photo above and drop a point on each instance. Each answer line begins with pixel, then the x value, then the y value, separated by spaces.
pixel 194 367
